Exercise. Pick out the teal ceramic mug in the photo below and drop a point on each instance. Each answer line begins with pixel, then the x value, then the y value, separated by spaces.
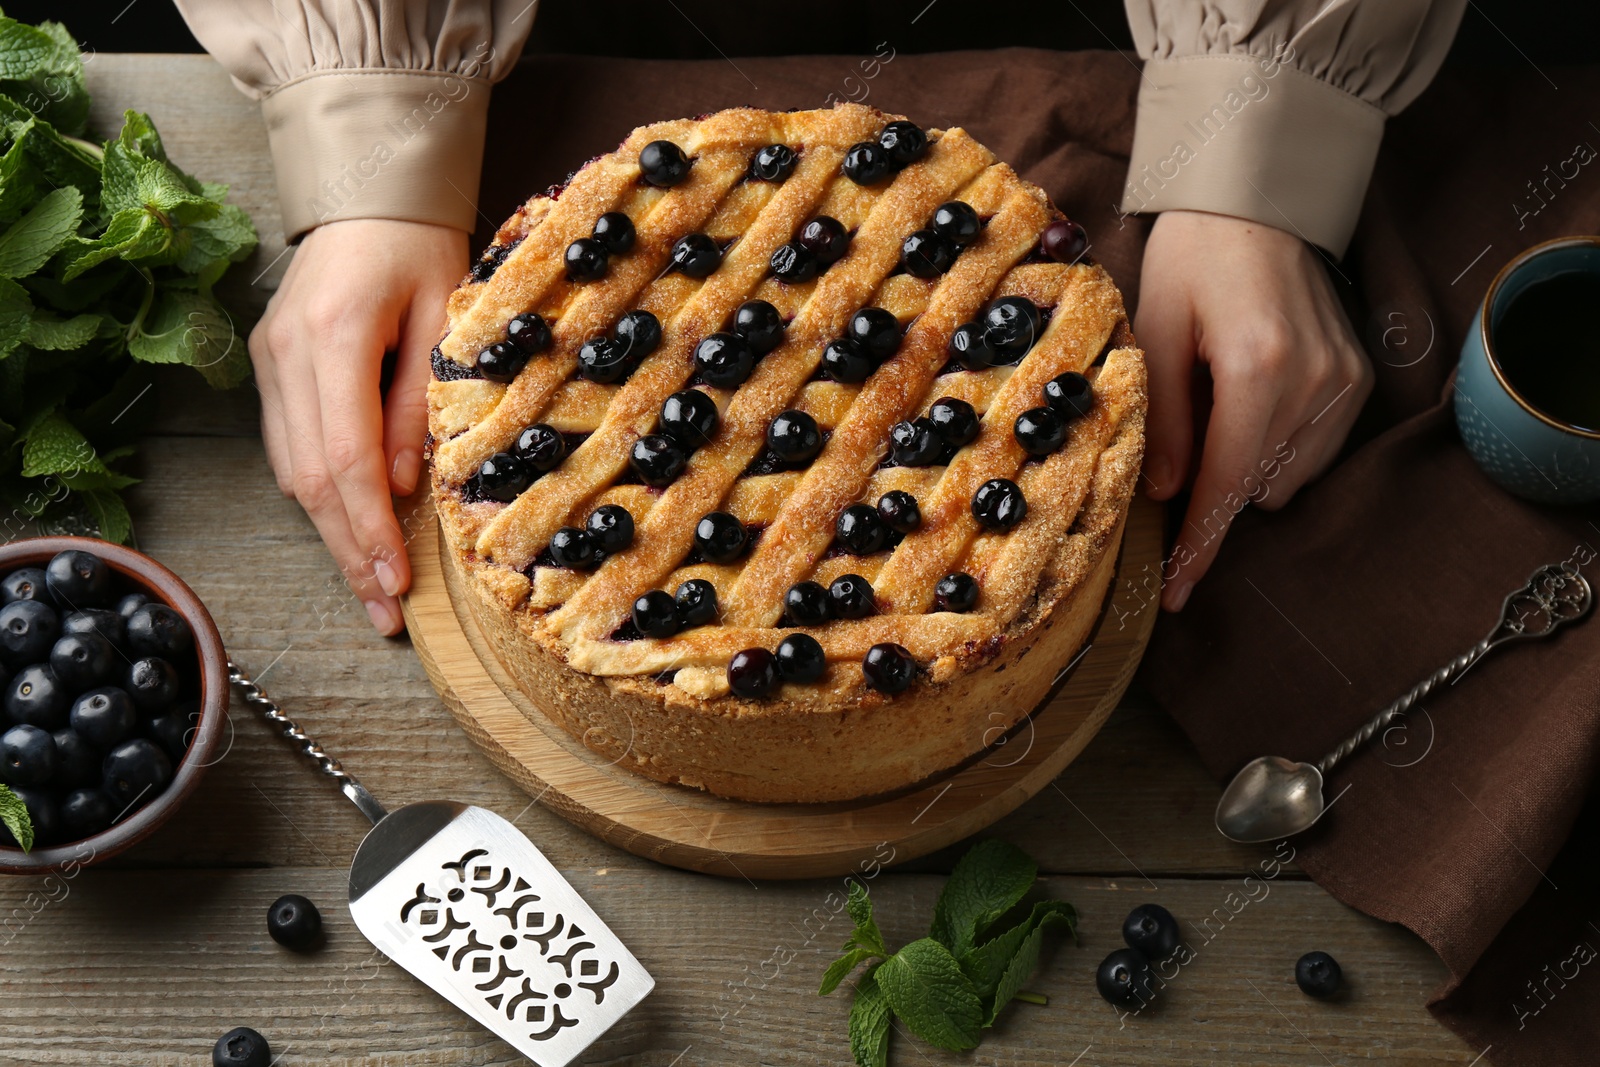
pixel 1529 429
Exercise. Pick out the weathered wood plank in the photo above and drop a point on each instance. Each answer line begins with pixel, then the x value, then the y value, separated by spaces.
pixel 144 967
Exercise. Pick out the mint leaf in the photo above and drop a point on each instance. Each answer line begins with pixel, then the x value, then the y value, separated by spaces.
pixel 859 904
pixel 14 814
pixel 869 1023
pixel 986 883
pixel 139 137
pixel 1024 962
pixel 840 968
pixel 109 513
pixel 24 50
pixel 864 943
pixel 999 967
pixel 62 160
pixel 52 445
pixel 987 963
pixel 159 187
pixel 66 95
pixel 41 69
pixel 185 327
pixel 866 934
pixel 133 234
pixel 925 987
pixel 62 335
pixel 16 315
pixel 19 183
pixel 91 481
pixel 227 237
pixel 137 174
pixel 39 234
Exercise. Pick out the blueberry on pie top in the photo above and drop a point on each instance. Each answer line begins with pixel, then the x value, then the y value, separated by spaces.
pixel 786 455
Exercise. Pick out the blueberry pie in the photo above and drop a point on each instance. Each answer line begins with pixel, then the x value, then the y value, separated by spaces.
pixel 786 455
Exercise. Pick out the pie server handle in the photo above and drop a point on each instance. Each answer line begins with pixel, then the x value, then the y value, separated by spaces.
pixel 309 748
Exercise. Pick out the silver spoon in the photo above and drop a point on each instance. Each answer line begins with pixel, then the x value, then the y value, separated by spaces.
pixel 1272 797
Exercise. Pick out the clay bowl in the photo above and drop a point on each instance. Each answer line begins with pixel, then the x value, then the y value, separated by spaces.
pixel 135 572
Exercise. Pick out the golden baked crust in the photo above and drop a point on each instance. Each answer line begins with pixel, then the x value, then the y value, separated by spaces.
pixel 662 706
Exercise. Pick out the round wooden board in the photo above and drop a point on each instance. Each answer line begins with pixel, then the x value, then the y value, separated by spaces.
pixel 694 830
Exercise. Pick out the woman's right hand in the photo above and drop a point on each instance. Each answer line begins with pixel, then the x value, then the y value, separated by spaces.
pixel 355 290
pixel 1253 304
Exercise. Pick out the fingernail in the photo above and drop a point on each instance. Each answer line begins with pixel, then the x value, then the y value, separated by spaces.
pixel 1158 472
pixel 1180 596
pixel 407 466
pixel 388 577
pixel 383 617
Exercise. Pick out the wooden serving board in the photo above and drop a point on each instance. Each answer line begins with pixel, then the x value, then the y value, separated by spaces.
pixel 691 829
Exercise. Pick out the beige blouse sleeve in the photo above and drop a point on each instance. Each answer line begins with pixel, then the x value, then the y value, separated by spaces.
pixel 1272 110
pixel 374 108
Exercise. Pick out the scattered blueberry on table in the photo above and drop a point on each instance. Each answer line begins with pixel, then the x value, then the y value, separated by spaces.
pixel 1124 978
pixel 294 922
pixel 100 687
pixel 1152 930
pixel 1318 974
pixel 241 1047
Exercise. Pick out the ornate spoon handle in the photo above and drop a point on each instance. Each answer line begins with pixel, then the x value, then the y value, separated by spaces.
pixel 1553 597
pixel 309 748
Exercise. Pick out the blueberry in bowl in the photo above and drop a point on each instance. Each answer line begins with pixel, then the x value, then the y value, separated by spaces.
pixel 113 696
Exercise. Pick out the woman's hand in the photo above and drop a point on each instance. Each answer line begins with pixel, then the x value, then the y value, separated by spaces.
pixel 355 290
pixel 1287 375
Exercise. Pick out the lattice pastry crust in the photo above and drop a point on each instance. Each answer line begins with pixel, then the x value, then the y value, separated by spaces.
pixel 663 705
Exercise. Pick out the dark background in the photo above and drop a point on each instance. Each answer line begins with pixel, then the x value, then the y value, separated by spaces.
pixel 1492 33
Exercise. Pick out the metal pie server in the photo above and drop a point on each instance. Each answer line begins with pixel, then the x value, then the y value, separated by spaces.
pixel 464 901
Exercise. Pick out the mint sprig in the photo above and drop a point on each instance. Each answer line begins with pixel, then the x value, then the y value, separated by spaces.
pixel 14 815
pixel 108 256
pixel 950 986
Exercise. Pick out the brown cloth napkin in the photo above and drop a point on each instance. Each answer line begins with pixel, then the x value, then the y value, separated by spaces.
pixel 1394 562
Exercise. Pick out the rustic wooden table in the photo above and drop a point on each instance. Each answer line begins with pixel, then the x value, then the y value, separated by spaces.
pixel 151 957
